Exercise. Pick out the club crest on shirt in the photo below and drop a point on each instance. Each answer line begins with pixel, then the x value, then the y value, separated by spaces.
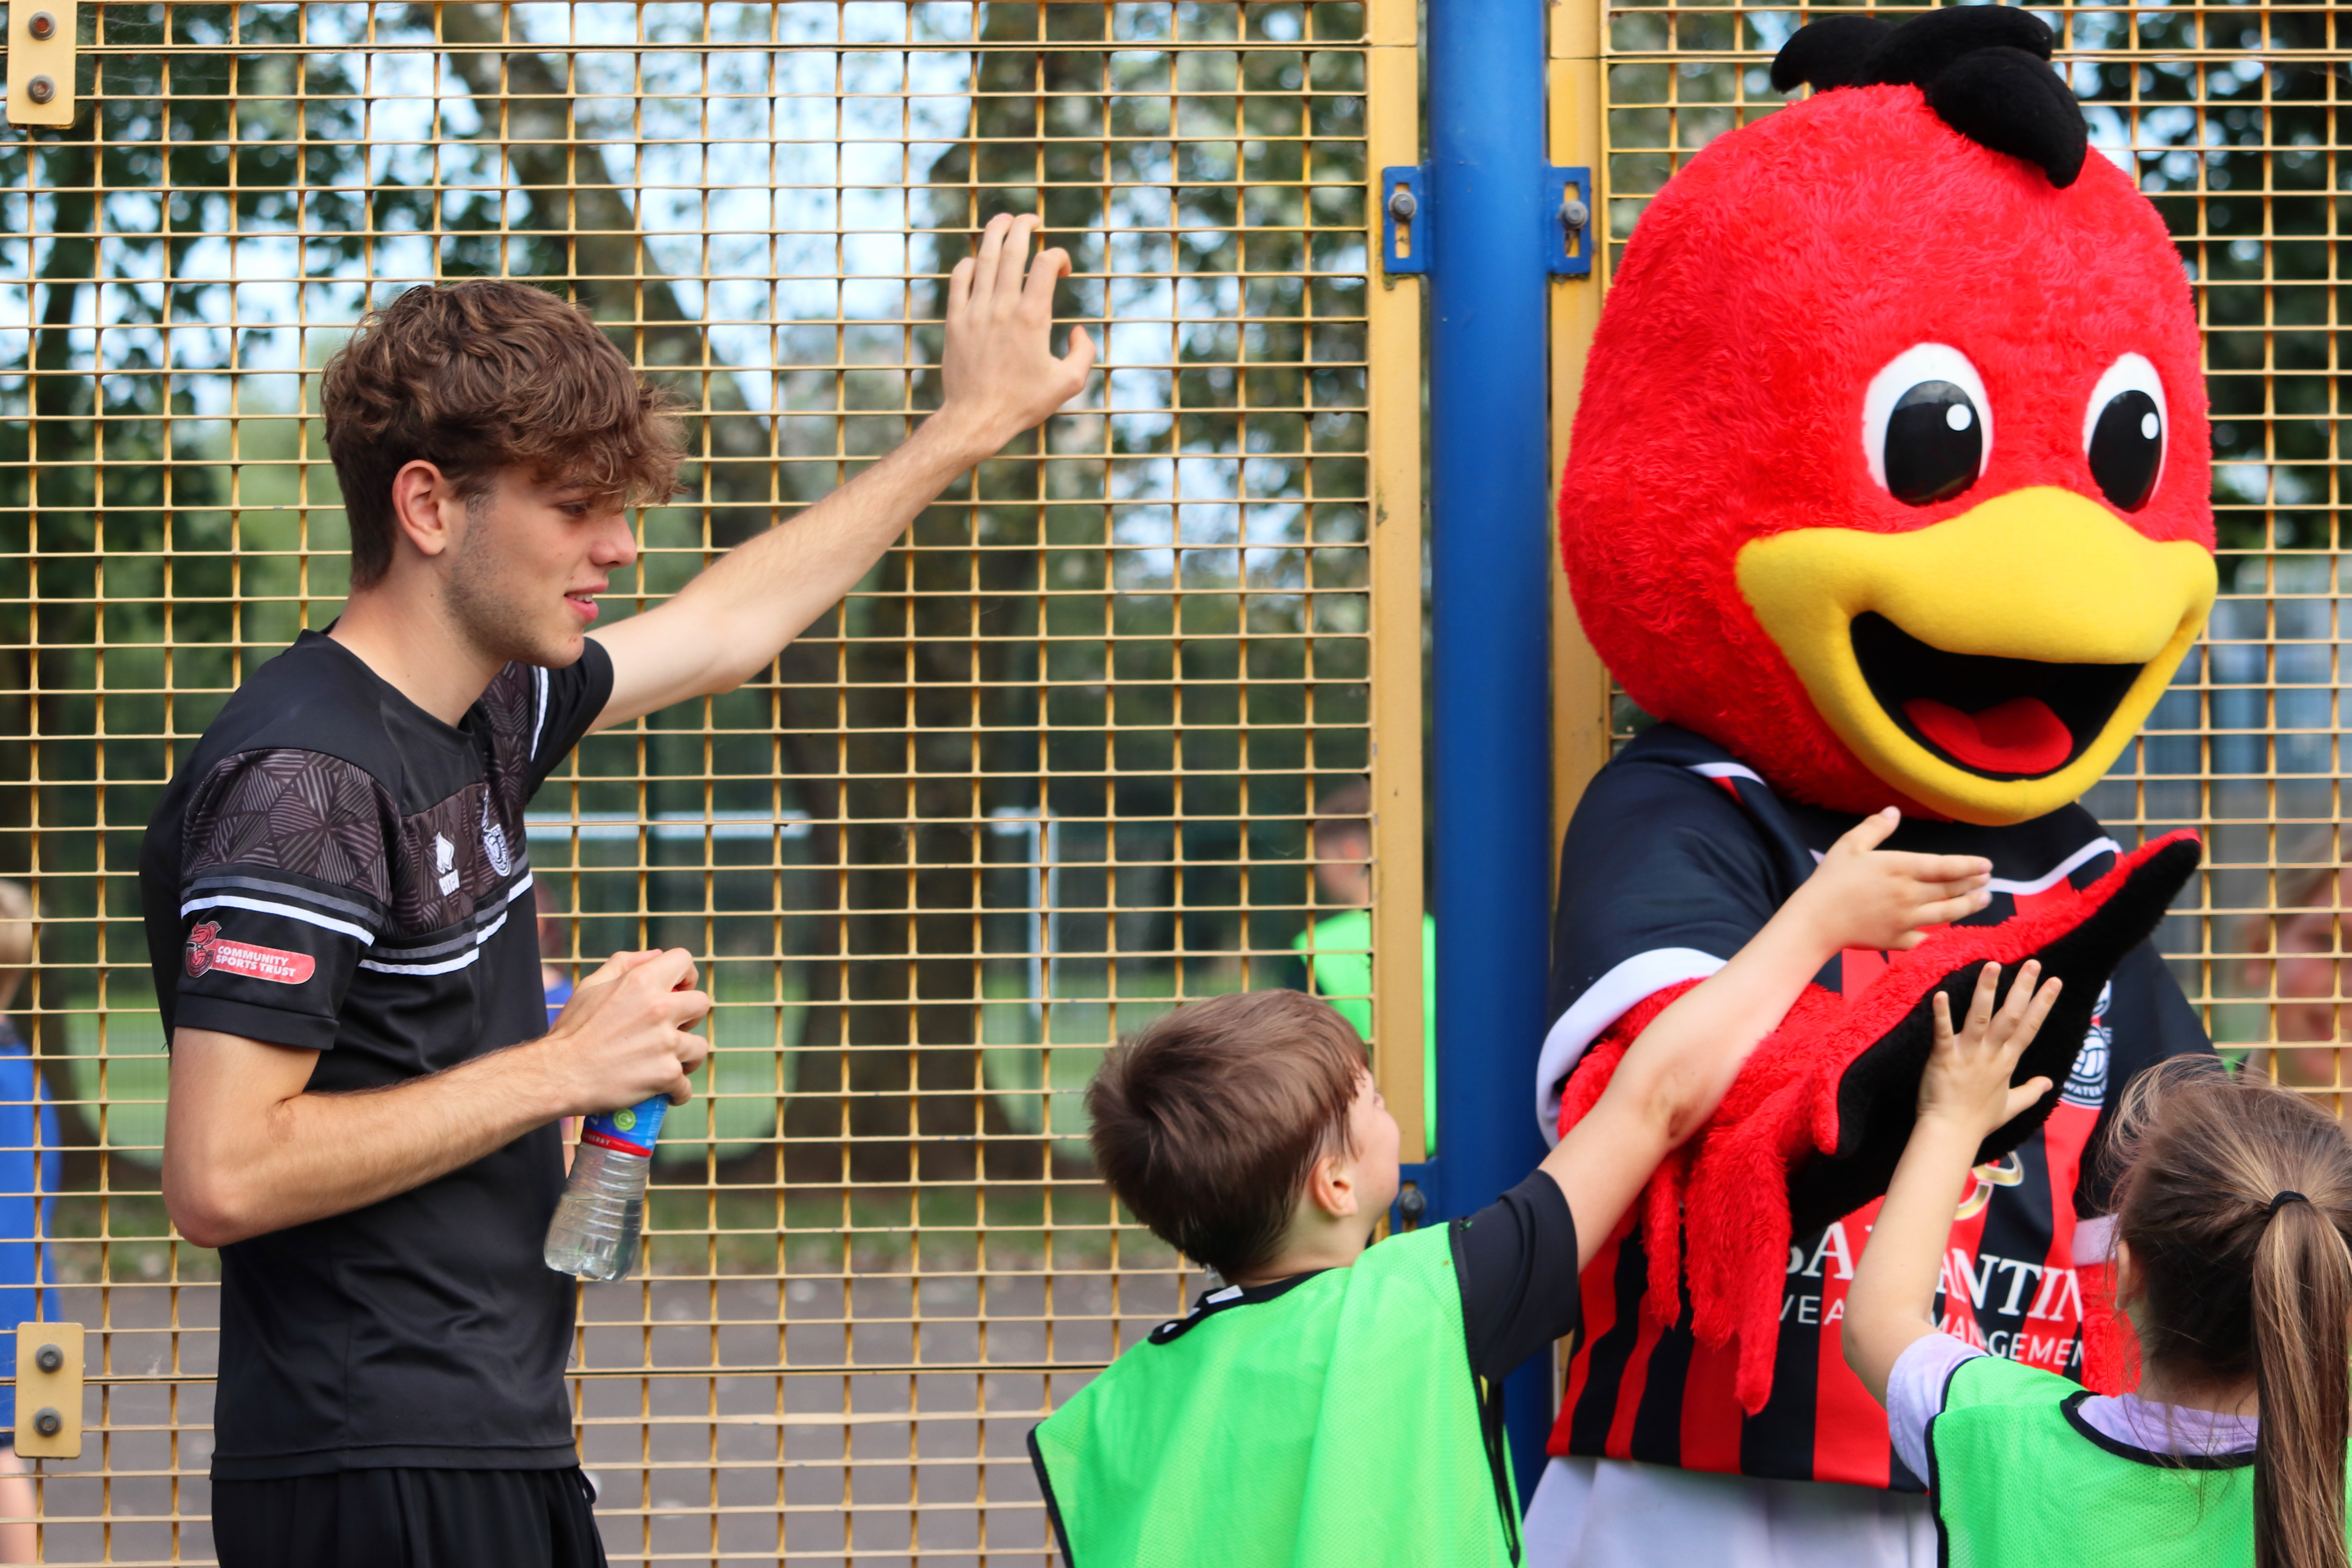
pixel 494 841
pixel 201 938
pixel 2087 1085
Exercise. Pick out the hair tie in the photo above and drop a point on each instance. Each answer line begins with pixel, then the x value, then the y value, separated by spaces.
pixel 2280 1199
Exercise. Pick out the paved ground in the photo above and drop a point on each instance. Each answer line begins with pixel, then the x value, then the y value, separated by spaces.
pixel 737 1466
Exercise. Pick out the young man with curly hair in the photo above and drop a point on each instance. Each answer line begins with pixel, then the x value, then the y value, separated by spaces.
pixel 365 1091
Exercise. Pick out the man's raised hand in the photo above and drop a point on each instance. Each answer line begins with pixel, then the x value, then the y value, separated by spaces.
pixel 1863 896
pixel 624 1036
pixel 1000 373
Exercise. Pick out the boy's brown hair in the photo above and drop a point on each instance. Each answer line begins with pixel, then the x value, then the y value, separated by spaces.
pixel 480 375
pixel 1209 1120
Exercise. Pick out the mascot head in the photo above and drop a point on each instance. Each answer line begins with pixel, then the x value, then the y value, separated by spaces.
pixel 1891 474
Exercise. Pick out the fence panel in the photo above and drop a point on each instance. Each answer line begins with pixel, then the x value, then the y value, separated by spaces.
pixel 1051 769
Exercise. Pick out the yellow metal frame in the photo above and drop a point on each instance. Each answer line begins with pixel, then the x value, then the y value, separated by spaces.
pixel 1394 304
pixel 1576 109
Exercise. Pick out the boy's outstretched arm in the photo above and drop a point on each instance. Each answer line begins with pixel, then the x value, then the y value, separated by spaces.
pixel 1675 1074
pixel 1964 1095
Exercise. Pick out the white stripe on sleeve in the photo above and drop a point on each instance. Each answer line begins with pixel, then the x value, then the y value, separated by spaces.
pixel 1605 1001
pixel 2059 872
pixel 292 912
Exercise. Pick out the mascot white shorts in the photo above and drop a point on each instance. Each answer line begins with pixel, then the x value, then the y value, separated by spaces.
pixel 1613 1513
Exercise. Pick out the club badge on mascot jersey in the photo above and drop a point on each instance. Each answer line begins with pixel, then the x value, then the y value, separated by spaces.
pixel 1889 485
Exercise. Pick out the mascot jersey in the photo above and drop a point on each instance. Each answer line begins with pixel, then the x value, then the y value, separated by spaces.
pixel 1678 855
pixel 1890 486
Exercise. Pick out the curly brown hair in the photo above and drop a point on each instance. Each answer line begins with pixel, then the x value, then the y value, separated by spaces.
pixel 480 375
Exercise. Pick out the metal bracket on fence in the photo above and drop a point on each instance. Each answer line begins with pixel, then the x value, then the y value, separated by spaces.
pixel 1416 1197
pixel 48 1387
pixel 1405 220
pixel 41 34
pixel 1568 221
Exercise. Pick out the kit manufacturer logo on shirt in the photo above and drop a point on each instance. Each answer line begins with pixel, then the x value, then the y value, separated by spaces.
pixel 209 950
pixel 445 861
pixel 494 842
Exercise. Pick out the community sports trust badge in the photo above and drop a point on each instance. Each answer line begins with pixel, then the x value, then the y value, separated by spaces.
pixel 209 950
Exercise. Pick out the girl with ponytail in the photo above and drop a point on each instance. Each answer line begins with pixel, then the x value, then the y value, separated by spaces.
pixel 2235 1206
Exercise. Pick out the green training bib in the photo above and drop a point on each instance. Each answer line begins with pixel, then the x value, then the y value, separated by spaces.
pixel 1331 1422
pixel 2021 1480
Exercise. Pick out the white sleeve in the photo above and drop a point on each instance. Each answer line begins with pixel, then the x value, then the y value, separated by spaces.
pixel 1914 1393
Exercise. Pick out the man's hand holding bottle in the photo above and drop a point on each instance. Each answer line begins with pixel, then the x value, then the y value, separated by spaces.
pixel 627 1035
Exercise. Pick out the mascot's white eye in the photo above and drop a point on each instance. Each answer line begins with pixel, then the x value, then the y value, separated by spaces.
pixel 1926 425
pixel 2123 433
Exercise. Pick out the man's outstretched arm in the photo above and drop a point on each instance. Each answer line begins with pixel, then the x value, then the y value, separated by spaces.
pixel 1001 377
pixel 248 1148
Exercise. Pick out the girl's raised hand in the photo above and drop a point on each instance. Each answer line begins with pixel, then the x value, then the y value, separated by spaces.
pixel 1967 1080
pixel 1863 896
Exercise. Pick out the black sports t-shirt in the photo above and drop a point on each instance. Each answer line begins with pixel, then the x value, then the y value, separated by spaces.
pixel 1678 854
pixel 335 869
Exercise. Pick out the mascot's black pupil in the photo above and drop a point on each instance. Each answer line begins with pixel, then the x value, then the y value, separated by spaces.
pixel 1935 445
pixel 2126 449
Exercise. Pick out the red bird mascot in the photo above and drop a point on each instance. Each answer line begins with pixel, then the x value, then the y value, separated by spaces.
pixel 1890 486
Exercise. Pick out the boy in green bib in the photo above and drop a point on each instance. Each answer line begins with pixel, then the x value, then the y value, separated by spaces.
pixel 1334 1403
pixel 2230 1262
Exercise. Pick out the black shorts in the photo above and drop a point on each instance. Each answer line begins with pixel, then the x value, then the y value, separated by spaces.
pixel 409 1519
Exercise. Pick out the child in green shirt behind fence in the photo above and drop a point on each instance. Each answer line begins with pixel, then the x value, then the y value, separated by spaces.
pixel 1337 1403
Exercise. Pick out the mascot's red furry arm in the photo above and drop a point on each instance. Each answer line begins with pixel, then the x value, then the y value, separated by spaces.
pixel 1890 484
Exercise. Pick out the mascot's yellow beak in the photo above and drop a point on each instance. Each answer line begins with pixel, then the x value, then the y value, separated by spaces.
pixel 1990 666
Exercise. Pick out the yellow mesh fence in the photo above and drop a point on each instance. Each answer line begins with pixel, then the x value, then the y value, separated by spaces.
pixel 1054 764
pixel 1052 767
pixel 2229 119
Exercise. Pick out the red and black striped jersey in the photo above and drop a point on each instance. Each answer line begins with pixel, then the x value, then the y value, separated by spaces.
pixel 1678 854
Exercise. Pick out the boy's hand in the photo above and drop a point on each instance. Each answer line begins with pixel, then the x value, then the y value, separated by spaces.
pixel 999 373
pixel 1967 1081
pixel 1863 896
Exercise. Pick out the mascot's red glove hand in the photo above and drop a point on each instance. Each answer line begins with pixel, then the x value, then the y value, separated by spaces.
pixel 1813 1126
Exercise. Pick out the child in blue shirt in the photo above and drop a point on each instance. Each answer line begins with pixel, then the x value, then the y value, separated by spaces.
pixel 29 1161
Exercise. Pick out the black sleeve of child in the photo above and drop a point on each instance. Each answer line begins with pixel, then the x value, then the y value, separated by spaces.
pixel 1518 1275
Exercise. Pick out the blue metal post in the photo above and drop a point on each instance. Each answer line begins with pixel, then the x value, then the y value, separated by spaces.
pixel 1491 626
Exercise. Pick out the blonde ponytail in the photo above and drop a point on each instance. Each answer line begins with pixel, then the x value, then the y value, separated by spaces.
pixel 2303 1372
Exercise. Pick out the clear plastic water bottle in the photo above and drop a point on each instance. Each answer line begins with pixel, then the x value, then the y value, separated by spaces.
pixel 594 1234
